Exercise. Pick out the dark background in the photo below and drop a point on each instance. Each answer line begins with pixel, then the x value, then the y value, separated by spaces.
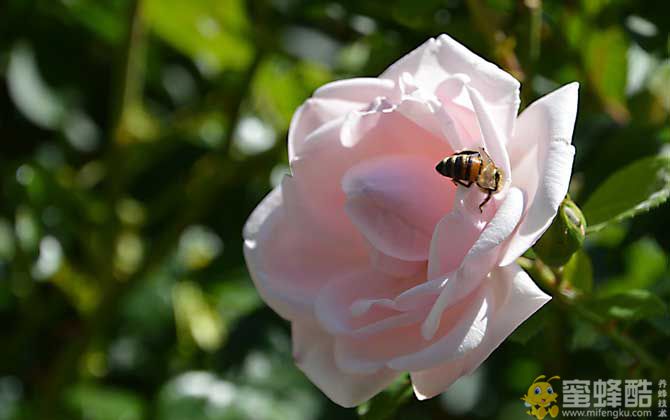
pixel 137 136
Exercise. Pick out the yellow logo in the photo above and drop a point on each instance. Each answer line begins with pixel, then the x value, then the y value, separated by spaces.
pixel 541 399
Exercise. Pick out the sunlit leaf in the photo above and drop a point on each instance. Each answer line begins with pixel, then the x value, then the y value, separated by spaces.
pixel 631 305
pixel 635 189
pixel 213 34
pixel 104 18
pixel 280 86
pixel 578 272
pixel 605 60
pixel 95 402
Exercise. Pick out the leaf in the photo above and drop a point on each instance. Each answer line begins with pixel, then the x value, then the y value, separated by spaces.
pixel 280 86
pixel 385 404
pixel 631 305
pixel 585 336
pixel 103 403
pixel 214 34
pixel 645 264
pixel 635 189
pixel 578 272
pixel 605 60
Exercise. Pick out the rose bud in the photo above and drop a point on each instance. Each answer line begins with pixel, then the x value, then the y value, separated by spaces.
pixel 564 237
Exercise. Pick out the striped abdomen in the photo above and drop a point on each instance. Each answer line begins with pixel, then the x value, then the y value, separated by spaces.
pixel 463 167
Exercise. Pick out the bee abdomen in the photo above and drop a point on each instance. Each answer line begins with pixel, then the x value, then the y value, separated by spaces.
pixel 460 167
pixel 446 167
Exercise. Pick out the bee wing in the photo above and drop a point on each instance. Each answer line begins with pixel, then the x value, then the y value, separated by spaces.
pixel 485 156
pixel 466 152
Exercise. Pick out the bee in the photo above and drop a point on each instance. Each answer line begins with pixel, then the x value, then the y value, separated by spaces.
pixel 469 167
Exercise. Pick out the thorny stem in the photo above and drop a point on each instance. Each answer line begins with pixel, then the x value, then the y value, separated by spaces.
pixel 550 280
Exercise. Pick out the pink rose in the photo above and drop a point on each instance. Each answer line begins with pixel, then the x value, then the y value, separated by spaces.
pixel 381 264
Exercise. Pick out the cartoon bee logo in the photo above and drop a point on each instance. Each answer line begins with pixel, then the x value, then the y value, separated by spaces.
pixel 541 399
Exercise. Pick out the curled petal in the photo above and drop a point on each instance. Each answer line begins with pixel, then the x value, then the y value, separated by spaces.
pixel 453 237
pixel 542 164
pixel 479 261
pixel 461 328
pixel 313 353
pixel 436 59
pixel 467 331
pixel 516 299
pixel 493 138
pixel 330 102
pixel 357 304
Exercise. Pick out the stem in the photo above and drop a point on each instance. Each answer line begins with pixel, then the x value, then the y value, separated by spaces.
pixel 551 282
pixel 129 82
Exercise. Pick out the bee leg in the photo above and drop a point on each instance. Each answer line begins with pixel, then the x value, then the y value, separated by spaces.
pixel 458 181
pixel 486 200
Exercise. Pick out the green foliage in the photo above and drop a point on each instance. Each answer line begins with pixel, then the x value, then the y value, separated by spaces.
pixel 99 403
pixel 214 35
pixel 605 61
pixel 384 405
pixel 631 305
pixel 578 273
pixel 635 189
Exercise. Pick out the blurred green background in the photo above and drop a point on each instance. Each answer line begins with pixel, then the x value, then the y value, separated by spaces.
pixel 136 136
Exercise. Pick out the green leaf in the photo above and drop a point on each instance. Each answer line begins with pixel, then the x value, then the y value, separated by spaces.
pixel 385 404
pixel 280 86
pixel 605 60
pixel 635 189
pixel 585 336
pixel 578 272
pixel 631 305
pixel 214 34
pixel 102 403
pixel 645 264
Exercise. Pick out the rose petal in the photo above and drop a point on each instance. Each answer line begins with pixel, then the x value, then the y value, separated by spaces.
pixel 517 298
pixel 460 329
pixel 435 60
pixel 340 309
pixel 453 237
pixel 542 163
pixel 325 158
pixel 493 138
pixel 479 261
pixel 395 202
pixel 464 335
pixel 313 352
pixel 393 266
pixel 330 102
pixel 291 255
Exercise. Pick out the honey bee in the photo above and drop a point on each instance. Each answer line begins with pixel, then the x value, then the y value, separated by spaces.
pixel 469 166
